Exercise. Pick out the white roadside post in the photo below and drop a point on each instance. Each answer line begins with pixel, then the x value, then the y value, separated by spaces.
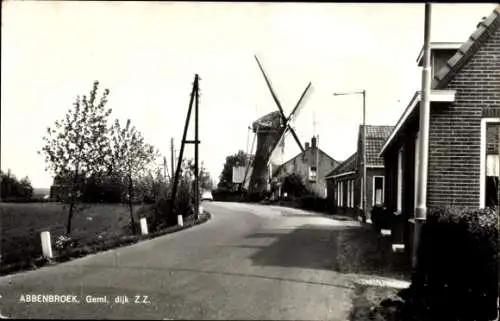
pixel 179 220
pixel 46 244
pixel 144 226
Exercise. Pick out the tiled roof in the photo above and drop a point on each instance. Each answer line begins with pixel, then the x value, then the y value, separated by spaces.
pixel 346 166
pixel 375 139
pixel 484 29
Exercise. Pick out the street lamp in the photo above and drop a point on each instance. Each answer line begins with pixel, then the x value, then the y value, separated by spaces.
pixel 363 188
pixel 421 208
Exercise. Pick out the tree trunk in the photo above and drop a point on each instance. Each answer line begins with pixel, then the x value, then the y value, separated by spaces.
pixel 72 202
pixel 70 216
pixel 130 189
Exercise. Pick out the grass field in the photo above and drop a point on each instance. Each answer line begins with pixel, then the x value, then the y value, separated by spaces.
pixel 21 225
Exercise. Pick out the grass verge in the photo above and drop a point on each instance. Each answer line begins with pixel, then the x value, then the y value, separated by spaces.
pixel 97 228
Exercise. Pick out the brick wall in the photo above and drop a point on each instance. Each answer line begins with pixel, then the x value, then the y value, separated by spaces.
pixel 454 144
pixel 300 165
pixel 333 190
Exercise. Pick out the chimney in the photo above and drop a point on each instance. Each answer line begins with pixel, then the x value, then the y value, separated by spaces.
pixel 307 145
pixel 313 142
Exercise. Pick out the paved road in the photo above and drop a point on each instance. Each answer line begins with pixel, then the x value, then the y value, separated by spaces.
pixel 248 262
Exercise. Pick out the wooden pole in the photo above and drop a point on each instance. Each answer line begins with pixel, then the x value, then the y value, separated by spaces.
pixel 181 152
pixel 196 155
pixel 172 156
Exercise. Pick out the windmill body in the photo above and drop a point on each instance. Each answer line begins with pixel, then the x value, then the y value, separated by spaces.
pixel 270 131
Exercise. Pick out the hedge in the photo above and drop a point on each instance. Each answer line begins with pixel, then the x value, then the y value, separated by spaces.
pixel 221 195
pixel 313 203
pixel 457 276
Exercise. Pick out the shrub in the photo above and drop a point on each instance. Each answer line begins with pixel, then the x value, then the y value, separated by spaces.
pixel 10 186
pixel 255 197
pixel 225 195
pixel 158 215
pixel 381 217
pixel 293 185
pixel 457 277
pixel 313 203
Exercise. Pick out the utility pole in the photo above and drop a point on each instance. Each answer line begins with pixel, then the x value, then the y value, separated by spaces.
pixel 365 207
pixel 172 157
pixel 196 142
pixel 194 97
pixel 165 168
pixel 363 146
pixel 421 208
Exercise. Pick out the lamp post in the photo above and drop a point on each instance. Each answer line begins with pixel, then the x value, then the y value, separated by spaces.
pixel 363 188
pixel 421 208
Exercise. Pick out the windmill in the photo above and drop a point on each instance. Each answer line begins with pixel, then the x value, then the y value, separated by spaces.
pixel 271 131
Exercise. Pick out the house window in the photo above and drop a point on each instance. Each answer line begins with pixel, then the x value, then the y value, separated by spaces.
pixel 400 182
pixel 352 193
pixel 378 190
pixel 361 203
pixel 492 165
pixel 338 193
pixel 348 193
pixel 489 162
pixel 341 194
pixel 312 173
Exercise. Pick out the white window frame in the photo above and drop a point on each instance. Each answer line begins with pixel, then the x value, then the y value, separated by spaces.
pixel 349 193
pixel 482 174
pixel 400 182
pixel 352 193
pixel 338 194
pixel 341 194
pixel 373 189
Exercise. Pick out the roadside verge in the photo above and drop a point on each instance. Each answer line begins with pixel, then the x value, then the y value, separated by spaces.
pixel 106 245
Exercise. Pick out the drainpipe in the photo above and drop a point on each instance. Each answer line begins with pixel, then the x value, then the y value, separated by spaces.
pixel 421 208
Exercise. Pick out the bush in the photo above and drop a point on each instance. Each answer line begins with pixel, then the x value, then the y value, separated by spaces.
pixel 313 203
pixel 10 186
pixel 158 215
pixel 224 195
pixel 457 277
pixel 26 200
pixel 255 197
pixel 293 185
pixel 381 217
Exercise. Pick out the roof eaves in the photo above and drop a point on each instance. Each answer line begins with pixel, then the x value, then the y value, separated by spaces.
pixel 467 50
pixel 341 174
pixel 435 96
pixel 438 45
pixel 342 166
pixel 333 159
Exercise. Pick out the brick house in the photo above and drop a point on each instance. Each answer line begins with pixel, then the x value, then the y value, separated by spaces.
pixel 345 182
pixel 311 165
pixel 343 188
pixel 463 134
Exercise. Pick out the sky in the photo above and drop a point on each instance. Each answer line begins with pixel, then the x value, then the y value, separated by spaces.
pixel 147 53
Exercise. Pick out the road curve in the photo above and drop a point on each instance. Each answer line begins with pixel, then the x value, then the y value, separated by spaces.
pixel 248 262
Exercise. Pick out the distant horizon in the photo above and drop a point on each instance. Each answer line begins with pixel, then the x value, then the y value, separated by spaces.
pixel 147 54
